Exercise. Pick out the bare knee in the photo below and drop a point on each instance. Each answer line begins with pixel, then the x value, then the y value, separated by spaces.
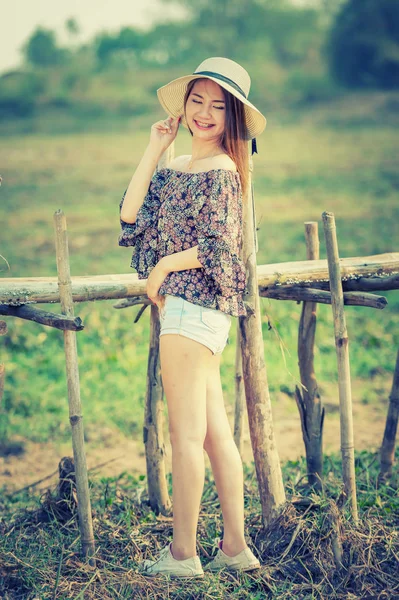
pixel 217 444
pixel 180 437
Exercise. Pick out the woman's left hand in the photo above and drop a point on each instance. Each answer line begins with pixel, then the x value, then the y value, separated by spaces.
pixel 154 282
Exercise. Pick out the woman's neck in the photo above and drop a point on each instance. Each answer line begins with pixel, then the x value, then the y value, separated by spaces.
pixel 204 148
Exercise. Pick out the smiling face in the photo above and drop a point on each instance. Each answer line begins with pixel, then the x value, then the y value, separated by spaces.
pixel 205 110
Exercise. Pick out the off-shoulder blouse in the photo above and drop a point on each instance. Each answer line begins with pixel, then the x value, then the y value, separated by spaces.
pixel 182 210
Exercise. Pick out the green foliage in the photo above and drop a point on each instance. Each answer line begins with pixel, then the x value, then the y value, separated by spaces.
pixel 292 33
pixel 363 44
pixel 72 26
pixel 273 40
pixel 281 31
pixel 41 49
pixel 19 91
pixel 302 88
pixel 169 44
pixel 281 44
pixel 121 49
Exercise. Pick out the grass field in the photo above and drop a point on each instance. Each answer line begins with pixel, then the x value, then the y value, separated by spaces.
pixel 40 544
pixel 342 159
pixel 302 169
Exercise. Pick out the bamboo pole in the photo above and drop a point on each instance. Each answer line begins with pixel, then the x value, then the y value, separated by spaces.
pixel 239 398
pixel 267 464
pixel 294 293
pixel 153 416
pixel 342 349
pixel 137 300
pixel 388 443
pixel 3 331
pixel 308 399
pixel 30 313
pixel 2 379
pixel 72 372
pixel 379 272
pixel 324 297
pixel 382 281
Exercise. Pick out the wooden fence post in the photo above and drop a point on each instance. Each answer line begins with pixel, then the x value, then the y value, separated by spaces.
pixel 3 331
pixel 153 425
pixel 154 405
pixel 72 372
pixel 342 348
pixel 391 426
pixel 239 398
pixel 267 464
pixel 308 400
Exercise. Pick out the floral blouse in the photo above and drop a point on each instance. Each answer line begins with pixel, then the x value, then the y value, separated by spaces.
pixel 182 210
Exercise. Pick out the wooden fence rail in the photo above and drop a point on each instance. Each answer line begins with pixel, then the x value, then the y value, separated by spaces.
pixel 359 273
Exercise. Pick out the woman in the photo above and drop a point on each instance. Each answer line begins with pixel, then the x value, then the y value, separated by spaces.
pixel 185 222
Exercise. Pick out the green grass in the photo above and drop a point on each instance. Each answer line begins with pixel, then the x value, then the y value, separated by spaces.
pixel 40 545
pixel 303 169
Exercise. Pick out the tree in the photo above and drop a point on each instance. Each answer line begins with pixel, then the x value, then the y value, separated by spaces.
pixel 41 48
pixel 249 28
pixel 19 91
pixel 72 27
pixel 129 43
pixel 363 44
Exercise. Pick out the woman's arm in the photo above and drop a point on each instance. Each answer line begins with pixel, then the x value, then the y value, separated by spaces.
pixel 163 133
pixel 139 184
pixel 180 261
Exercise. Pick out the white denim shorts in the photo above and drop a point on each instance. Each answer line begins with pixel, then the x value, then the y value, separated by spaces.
pixel 205 325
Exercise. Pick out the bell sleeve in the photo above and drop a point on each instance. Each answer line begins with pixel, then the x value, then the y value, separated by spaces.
pixel 219 232
pixel 143 233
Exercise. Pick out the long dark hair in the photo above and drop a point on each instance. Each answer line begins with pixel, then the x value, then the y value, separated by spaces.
pixel 234 140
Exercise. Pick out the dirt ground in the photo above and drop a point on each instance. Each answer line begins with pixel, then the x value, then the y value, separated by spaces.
pixel 111 453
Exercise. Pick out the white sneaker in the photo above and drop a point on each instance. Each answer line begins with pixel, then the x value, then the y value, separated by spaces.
pixel 244 561
pixel 168 565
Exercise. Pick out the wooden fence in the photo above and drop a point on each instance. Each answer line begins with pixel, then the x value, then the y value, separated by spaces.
pixel 336 281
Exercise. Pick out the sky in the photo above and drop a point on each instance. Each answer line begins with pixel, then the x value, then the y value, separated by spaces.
pixel 19 18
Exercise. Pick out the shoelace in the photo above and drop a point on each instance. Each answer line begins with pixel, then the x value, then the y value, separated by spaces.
pixel 161 554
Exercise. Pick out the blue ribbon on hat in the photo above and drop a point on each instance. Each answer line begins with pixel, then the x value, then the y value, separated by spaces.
pixel 222 78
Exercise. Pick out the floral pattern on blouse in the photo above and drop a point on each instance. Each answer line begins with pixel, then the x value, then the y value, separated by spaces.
pixel 182 210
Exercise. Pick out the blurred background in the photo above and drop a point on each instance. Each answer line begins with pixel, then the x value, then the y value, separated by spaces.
pixel 78 85
pixel 72 65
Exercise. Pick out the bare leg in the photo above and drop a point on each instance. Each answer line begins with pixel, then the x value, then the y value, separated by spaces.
pixel 226 463
pixel 184 367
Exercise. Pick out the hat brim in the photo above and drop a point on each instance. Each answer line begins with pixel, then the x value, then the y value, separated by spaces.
pixel 171 98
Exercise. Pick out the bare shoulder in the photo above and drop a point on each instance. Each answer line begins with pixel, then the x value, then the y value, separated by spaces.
pixel 179 162
pixel 223 161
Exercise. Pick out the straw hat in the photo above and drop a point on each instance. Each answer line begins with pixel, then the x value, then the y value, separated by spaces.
pixel 229 75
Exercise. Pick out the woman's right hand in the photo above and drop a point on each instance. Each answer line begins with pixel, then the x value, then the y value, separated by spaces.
pixel 163 133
